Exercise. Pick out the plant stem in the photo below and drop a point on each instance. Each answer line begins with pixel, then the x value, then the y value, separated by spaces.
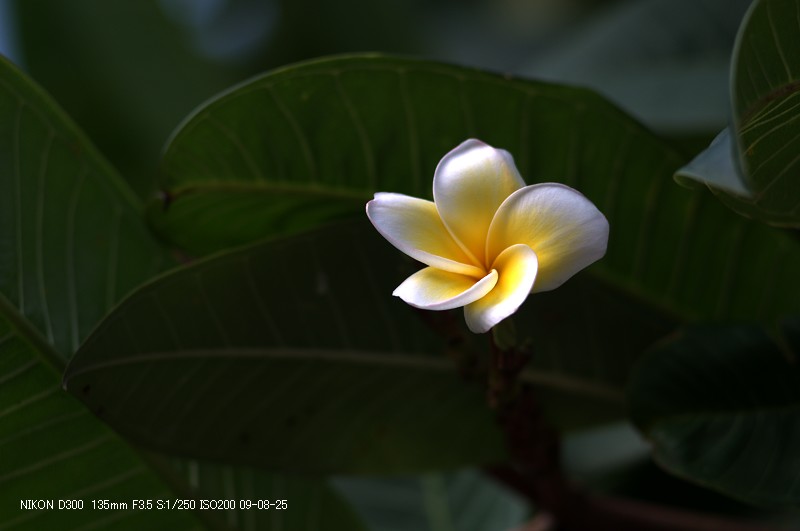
pixel 457 348
pixel 507 359
pixel 535 468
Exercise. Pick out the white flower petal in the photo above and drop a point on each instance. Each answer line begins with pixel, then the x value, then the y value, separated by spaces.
pixel 516 268
pixel 565 229
pixel 469 185
pixel 414 226
pixel 434 289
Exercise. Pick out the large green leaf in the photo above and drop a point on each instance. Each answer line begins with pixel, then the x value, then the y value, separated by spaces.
pixel 721 406
pixel 765 79
pixel 291 355
pixel 335 131
pixel 674 255
pixel 316 311
pixel 764 90
pixel 71 245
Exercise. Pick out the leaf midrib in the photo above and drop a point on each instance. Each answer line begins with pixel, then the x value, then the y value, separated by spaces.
pixel 367 358
pixel 28 333
pixel 181 191
pixel 65 126
pixel 779 92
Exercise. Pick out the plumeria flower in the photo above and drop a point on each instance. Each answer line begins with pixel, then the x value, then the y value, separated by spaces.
pixel 487 239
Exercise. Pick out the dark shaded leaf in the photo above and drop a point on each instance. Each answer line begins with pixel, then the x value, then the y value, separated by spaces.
pixel 290 355
pixel 264 157
pixel 71 245
pixel 721 406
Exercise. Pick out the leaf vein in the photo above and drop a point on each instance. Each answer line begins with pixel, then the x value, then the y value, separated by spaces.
pixel 369 161
pixel 299 134
pixel 40 260
pixel 61 456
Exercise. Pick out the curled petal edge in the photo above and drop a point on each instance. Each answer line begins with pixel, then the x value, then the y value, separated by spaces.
pixel 434 289
pixel 517 268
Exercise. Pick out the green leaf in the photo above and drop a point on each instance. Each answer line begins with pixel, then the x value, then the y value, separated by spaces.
pixel 764 88
pixel 334 131
pixel 765 84
pixel 71 244
pixel 206 315
pixel 584 338
pixel 219 215
pixel 125 92
pixel 351 126
pixel 721 405
pixel 348 127
pixel 715 166
pixel 290 355
pixel 465 500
